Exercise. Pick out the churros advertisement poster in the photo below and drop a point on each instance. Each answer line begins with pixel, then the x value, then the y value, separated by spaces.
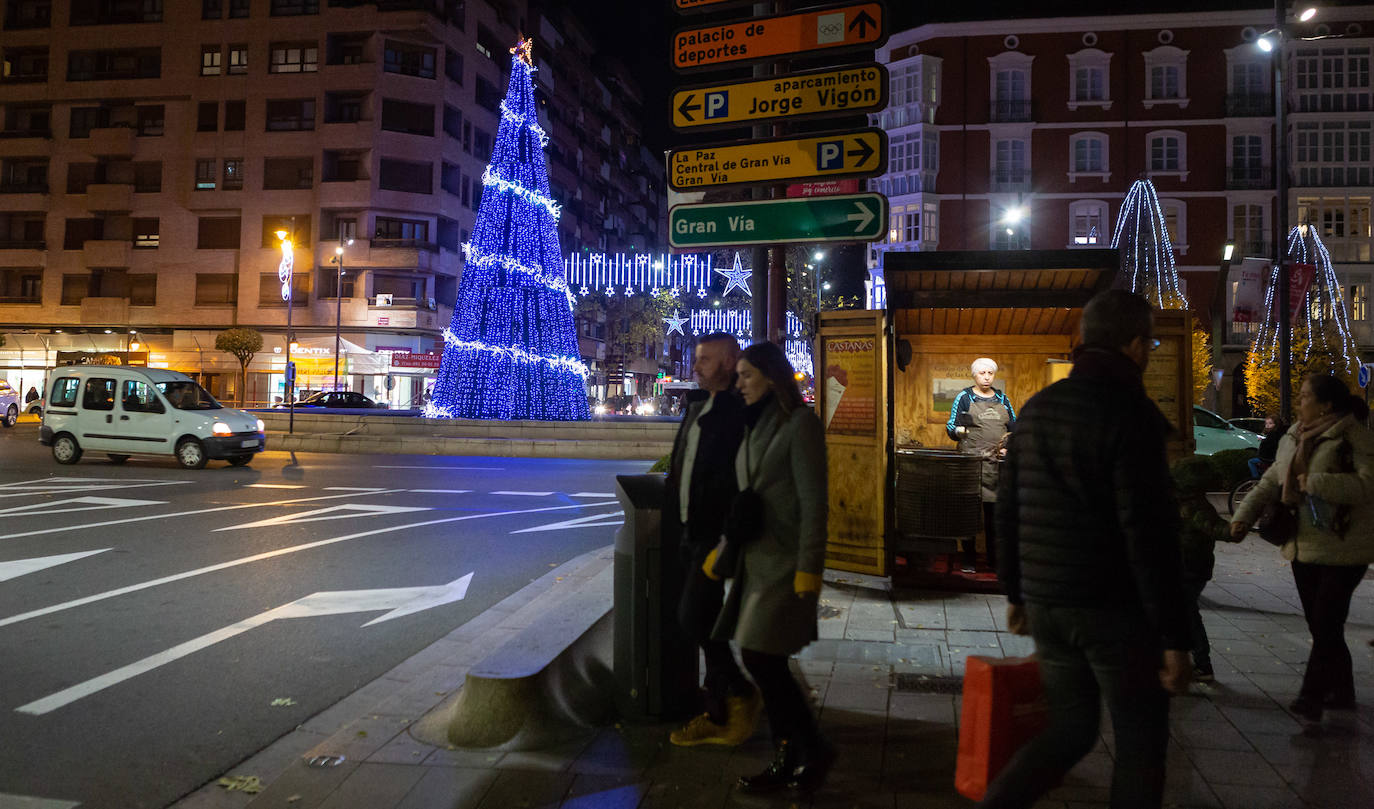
pixel 850 383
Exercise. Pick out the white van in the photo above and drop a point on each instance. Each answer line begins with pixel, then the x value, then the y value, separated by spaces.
pixel 123 411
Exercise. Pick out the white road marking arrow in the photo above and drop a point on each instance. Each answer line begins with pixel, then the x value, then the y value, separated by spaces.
pixel 329 513
pixel 8 801
pixel 863 217
pixel 400 601
pixel 75 504
pixel 20 567
pixel 63 485
pixel 576 522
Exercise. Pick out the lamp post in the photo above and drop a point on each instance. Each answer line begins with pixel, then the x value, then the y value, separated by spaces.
pixel 338 302
pixel 1274 41
pixel 1219 308
pixel 284 274
pixel 817 256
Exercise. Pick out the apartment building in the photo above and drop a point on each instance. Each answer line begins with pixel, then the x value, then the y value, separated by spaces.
pixel 1053 119
pixel 151 151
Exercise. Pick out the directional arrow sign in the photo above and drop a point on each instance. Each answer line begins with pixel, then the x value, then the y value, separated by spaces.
pixel 400 601
pixel 849 218
pixel 862 26
pixel 844 154
pixel 814 93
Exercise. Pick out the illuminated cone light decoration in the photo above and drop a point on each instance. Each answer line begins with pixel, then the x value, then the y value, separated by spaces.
pixel 1147 254
pixel 1321 324
pixel 511 350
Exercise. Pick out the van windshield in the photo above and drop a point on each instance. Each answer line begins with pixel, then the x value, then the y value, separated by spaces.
pixel 188 396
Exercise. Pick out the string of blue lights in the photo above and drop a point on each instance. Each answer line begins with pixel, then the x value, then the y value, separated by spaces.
pixel 511 350
pixel 1321 316
pixel 1147 253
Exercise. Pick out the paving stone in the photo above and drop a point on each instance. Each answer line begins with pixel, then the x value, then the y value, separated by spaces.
pixel 604 792
pixel 525 789
pixel 449 788
pixel 372 785
pixel 686 795
pixel 1240 796
pixel 1208 735
pixel 1234 767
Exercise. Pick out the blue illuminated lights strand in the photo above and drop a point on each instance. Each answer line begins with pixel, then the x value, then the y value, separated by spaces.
pixel 643 272
pixel 1323 305
pixel 510 351
pixel 519 120
pixel 1147 253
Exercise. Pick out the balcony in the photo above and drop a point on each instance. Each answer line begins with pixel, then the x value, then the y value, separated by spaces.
pixel 19 244
pixel 9 134
pixel 25 78
pixel 1011 180
pixel 104 310
pixel 1249 105
pixel 1249 177
pixel 1010 111
pixel 110 197
pixel 23 188
pixel 106 253
pixel 111 141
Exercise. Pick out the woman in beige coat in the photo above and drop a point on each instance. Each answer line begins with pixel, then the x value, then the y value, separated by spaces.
pixel 1324 468
pixel 770 611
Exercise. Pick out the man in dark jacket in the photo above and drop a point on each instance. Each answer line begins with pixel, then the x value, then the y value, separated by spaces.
pixel 700 487
pixel 1090 560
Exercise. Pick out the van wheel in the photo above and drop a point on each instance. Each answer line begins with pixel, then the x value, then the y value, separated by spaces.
pixel 65 449
pixel 190 453
pixel 11 417
pixel 239 460
pixel 116 458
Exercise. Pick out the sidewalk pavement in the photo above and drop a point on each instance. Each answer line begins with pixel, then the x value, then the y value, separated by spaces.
pixel 884 677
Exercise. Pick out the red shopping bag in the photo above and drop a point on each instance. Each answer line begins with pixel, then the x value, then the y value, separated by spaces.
pixel 1004 707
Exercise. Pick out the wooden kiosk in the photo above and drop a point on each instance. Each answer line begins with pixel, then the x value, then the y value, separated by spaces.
pixel 887 378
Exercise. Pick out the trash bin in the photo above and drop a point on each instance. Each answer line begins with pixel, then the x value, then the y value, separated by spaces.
pixel 655 664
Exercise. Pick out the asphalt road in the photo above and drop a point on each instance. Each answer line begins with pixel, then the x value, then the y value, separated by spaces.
pixel 151 615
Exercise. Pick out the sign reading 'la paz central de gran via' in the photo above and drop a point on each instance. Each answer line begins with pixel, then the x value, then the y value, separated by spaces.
pixel 834 28
pixel 842 154
pixel 846 218
pixel 831 91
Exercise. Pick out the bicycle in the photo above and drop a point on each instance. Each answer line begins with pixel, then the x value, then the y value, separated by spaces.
pixel 1243 488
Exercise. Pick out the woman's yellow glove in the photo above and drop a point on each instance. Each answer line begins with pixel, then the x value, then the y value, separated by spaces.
pixel 709 566
pixel 806 583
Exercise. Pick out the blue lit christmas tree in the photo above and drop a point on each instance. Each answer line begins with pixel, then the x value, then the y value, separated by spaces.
pixel 1147 254
pixel 511 349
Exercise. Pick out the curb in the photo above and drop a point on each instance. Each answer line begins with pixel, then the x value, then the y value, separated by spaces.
pixel 442 445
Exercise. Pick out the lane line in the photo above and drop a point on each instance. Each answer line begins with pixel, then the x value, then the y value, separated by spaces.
pixel 8 801
pixel 352 489
pixel 273 486
pixel 446 468
pixel 592 494
pixel 524 494
pixel 189 513
pixel 258 557
pixel 442 491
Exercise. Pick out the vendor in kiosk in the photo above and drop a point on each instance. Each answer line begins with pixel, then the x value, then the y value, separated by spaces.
pixel 980 420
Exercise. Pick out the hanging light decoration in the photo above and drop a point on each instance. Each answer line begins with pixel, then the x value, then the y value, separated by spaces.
pixel 1147 253
pixel 1320 317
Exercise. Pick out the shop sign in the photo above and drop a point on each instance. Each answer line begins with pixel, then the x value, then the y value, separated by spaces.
pixel 416 360
pixel 861 26
pixel 861 153
pixel 135 358
pixel 823 188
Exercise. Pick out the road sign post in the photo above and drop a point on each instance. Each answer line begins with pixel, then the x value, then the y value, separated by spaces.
pixel 810 94
pixel 860 153
pixel 848 218
pixel 861 26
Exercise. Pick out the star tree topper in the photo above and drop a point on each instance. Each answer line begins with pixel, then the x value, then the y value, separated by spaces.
pixel 738 278
pixel 675 323
pixel 525 49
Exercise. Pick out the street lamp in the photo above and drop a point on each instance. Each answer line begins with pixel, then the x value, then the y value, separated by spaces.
pixel 1012 218
pixel 284 274
pixel 338 302
pixel 1273 41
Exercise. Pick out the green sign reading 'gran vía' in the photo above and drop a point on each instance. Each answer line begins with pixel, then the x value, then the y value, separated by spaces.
pixel 848 218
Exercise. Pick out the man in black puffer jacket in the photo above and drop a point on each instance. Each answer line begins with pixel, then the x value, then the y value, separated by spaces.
pixel 1089 559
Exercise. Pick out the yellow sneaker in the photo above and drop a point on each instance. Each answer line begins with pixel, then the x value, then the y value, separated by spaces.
pixel 743 713
pixel 701 730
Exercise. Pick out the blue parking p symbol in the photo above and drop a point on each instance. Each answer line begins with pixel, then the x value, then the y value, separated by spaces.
pixel 830 155
pixel 718 104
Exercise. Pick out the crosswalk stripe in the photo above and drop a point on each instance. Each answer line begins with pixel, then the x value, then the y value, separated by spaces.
pixel 524 494
pixel 273 486
pixel 591 494
pixel 442 491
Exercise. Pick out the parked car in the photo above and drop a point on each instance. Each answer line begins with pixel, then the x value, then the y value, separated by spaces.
pixel 1254 425
pixel 11 402
pixel 1213 434
pixel 338 399
pixel 123 411
pixel 35 408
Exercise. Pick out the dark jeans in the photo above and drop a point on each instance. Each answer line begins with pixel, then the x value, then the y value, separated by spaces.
pixel 789 716
pixel 1088 655
pixel 1325 591
pixel 1197 631
pixel 697 612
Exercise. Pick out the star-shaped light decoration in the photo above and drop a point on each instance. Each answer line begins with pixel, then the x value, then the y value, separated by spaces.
pixel 701 293
pixel 738 278
pixel 675 323
pixel 525 48
pixel 584 290
pixel 610 291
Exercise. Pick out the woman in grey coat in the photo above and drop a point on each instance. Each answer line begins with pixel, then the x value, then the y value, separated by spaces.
pixel 771 609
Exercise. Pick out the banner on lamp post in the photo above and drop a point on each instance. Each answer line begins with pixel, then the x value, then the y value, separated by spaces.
pixel 1248 300
pixel 1299 281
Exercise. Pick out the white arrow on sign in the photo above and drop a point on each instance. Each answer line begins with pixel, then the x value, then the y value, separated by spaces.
pixel 20 567
pixel 863 217
pixel 400 601
pixel 329 513
pixel 75 504
pixel 576 522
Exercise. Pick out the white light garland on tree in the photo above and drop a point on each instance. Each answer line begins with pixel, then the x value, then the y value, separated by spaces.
pixel 1147 254
pixel 1321 317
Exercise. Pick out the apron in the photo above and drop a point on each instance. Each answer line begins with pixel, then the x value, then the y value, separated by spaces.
pixel 990 420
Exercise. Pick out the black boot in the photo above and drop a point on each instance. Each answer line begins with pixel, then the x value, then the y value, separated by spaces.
pixel 813 763
pixel 775 776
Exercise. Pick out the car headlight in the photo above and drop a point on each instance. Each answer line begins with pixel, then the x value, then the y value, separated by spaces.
pixel 261 427
pixel 220 428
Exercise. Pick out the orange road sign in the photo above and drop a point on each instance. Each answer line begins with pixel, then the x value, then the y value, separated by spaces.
pixel 692 6
pixel 861 26
pixel 861 153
